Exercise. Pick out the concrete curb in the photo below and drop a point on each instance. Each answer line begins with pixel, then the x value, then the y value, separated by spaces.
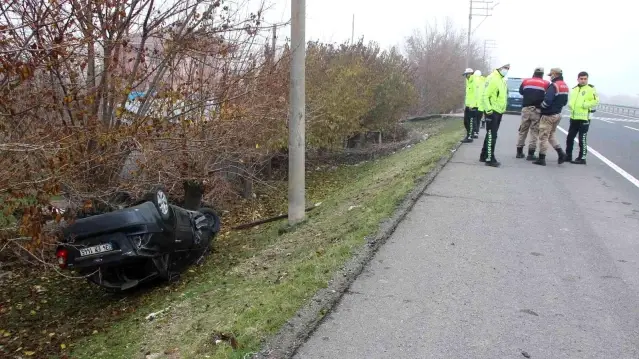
pixel 295 332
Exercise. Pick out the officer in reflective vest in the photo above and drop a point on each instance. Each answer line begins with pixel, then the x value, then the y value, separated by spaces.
pixel 495 98
pixel 470 109
pixel 479 92
pixel 582 101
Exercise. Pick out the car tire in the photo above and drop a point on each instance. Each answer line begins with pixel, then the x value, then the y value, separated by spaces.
pixel 161 202
pixel 212 215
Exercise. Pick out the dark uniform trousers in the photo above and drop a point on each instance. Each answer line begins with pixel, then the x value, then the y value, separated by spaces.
pixel 578 127
pixel 469 121
pixel 492 126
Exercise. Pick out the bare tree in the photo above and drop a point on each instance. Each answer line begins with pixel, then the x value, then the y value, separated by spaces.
pixel 439 55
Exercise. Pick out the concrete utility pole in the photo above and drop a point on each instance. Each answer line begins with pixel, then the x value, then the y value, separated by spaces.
pixel 273 39
pixel 477 8
pixel 488 45
pixel 353 29
pixel 296 125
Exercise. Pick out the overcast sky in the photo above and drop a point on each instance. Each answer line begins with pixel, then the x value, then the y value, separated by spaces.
pixel 596 36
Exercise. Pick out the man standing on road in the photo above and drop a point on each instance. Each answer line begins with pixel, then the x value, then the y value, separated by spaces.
pixel 494 97
pixel 533 89
pixel 583 99
pixel 471 106
pixel 479 93
pixel 554 101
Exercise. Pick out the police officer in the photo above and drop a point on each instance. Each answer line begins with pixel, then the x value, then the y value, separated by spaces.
pixel 582 101
pixel 471 106
pixel 554 101
pixel 533 89
pixel 494 97
pixel 479 92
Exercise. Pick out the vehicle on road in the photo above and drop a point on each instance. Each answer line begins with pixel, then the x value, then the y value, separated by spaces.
pixel 150 240
pixel 515 99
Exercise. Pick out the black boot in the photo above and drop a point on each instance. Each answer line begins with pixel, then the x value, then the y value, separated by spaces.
pixel 541 160
pixel 579 161
pixel 493 163
pixel 520 152
pixel 561 155
pixel 482 155
pixel 531 155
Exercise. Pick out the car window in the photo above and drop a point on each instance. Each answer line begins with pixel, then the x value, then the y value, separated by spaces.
pixel 513 84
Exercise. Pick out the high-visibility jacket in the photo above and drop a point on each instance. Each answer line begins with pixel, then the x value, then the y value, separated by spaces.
pixel 582 100
pixel 495 94
pixel 479 92
pixel 470 92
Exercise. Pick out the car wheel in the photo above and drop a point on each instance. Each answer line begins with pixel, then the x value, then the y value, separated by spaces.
pixel 161 202
pixel 214 223
pixel 213 218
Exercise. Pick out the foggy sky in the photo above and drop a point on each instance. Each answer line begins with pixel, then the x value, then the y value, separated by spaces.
pixel 598 37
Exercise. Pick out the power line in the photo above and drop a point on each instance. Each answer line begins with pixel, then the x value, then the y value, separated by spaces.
pixel 478 8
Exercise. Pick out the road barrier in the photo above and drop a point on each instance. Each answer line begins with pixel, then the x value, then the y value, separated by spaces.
pixel 622 110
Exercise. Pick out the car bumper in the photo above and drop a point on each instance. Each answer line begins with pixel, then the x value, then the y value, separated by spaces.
pixel 514 107
pixel 124 250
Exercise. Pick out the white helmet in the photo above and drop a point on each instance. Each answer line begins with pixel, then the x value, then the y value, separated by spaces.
pixel 477 73
pixel 468 71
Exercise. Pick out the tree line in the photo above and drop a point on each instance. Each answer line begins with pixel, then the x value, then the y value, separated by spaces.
pixel 106 97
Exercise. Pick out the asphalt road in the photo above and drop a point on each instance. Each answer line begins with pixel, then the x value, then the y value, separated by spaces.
pixel 511 262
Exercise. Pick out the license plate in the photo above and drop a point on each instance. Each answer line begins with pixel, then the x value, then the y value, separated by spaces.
pixel 101 248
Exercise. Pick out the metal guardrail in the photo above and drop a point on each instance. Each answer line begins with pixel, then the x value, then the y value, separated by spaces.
pixel 622 110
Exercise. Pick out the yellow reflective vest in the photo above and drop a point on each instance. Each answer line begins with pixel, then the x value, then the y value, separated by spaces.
pixel 471 101
pixel 582 99
pixel 479 92
pixel 495 94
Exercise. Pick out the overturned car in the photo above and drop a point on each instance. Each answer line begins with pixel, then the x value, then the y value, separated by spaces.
pixel 148 241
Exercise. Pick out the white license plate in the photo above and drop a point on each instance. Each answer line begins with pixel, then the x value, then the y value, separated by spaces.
pixel 106 247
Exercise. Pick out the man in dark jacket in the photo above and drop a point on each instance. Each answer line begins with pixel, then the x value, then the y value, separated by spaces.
pixel 533 89
pixel 554 101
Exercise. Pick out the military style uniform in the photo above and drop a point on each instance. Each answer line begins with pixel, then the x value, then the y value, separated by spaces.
pixel 533 91
pixel 554 101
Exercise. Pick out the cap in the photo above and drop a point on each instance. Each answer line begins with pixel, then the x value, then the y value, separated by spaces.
pixel 468 71
pixel 556 70
pixel 477 73
pixel 539 69
pixel 504 66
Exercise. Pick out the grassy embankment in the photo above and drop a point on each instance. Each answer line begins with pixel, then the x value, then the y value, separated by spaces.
pixel 250 287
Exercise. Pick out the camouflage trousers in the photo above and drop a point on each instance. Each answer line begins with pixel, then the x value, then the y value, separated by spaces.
pixel 530 117
pixel 547 128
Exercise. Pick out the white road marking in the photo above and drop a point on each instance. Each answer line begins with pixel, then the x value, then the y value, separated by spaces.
pixel 611 119
pixel 632 128
pixel 610 164
pixel 618 114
